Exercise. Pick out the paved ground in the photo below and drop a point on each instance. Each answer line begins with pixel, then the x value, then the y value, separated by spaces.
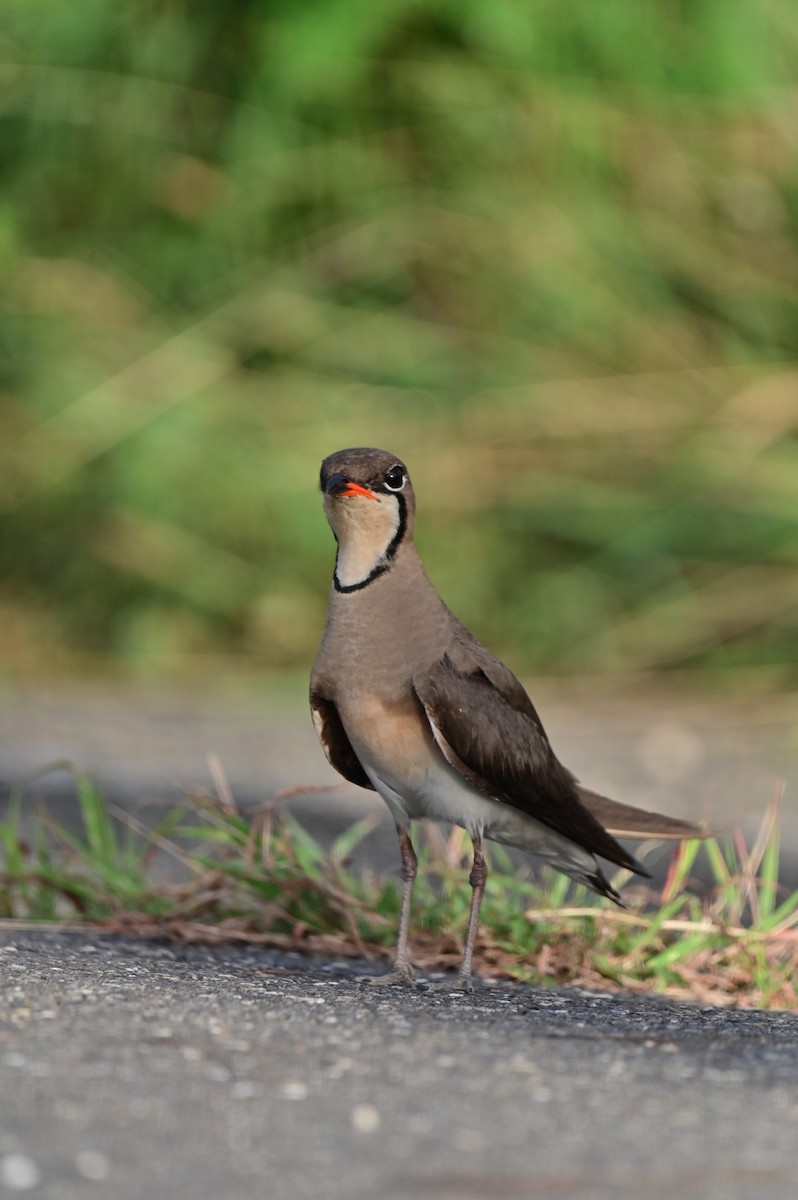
pixel 132 1069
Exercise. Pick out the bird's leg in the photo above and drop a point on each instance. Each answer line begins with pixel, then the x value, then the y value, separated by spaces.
pixel 477 879
pixel 402 971
pixel 409 868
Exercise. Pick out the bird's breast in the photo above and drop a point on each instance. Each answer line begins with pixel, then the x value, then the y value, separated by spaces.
pixel 392 740
pixel 395 746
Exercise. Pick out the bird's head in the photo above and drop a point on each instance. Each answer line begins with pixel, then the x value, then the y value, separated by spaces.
pixel 369 502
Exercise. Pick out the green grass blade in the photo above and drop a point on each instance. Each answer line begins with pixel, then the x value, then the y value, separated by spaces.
pixel 350 839
pixel 683 948
pixel 101 842
pixel 681 865
pixel 784 916
pixel 769 877
pixel 717 861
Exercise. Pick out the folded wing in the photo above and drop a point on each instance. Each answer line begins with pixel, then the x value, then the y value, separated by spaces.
pixel 488 730
pixel 334 741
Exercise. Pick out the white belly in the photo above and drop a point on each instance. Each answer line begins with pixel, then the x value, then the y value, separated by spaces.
pixel 443 795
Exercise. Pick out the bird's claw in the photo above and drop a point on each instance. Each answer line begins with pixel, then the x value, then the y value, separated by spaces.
pixel 400 975
pixel 460 983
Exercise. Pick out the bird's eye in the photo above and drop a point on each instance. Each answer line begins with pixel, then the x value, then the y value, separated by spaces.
pixel 395 479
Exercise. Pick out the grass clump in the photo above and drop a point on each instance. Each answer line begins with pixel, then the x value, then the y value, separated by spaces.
pixel 54 871
pixel 262 878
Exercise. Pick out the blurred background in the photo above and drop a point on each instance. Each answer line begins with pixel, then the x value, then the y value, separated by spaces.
pixel 546 253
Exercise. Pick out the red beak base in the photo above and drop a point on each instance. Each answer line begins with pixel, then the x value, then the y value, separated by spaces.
pixel 354 489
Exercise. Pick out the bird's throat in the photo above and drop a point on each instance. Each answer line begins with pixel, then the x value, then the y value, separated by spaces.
pixel 368 538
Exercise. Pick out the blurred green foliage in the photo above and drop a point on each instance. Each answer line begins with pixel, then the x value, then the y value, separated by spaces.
pixel 546 253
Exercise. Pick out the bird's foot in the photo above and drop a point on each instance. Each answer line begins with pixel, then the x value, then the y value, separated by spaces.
pixel 401 974
pixel 456 983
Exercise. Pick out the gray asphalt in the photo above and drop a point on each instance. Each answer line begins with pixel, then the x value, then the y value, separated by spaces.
pixel 134 1069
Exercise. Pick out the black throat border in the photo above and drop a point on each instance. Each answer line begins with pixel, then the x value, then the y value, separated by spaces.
pixel 385 563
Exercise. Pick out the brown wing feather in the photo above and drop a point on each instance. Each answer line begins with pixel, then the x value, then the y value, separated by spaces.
pixel 335 743
pixel 487 727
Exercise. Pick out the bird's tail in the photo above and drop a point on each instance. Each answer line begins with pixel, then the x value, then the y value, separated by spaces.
pixel 624 821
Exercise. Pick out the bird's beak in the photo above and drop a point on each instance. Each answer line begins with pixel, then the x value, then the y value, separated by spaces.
pixel 339 485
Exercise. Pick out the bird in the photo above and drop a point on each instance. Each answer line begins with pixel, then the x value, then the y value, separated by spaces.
pixel 407 702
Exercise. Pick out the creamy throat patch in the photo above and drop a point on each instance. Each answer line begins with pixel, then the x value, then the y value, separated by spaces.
pixel 365 529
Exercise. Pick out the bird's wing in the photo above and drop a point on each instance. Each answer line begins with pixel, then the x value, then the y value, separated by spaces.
pixel 488 730
pixel 622 820
pixel 335 743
